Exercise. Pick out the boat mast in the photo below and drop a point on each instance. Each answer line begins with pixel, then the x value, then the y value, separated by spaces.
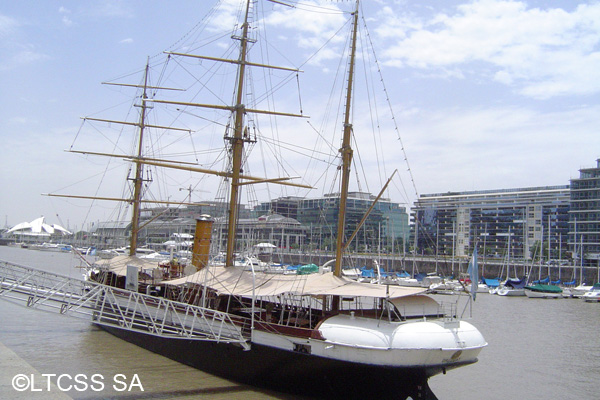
pixel 237 144
pixel 138 180
pixel 346 153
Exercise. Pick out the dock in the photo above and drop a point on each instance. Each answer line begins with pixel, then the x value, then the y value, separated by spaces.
pixel 16 372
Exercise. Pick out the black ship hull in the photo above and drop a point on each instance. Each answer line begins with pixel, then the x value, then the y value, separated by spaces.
pixel 288 371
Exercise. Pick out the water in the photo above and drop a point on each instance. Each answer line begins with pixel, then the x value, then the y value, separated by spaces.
pixel 538 349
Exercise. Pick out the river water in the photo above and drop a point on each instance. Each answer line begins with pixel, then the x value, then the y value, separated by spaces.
pixel 538 349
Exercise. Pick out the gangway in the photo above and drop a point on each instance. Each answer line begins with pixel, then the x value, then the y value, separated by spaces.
pixel 113 307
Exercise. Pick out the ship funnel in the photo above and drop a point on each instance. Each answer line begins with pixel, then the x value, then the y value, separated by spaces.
pixel 200 252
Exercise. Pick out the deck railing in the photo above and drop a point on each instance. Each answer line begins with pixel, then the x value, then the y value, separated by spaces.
pixel 113 307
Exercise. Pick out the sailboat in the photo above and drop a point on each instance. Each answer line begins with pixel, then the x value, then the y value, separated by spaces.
pixel 319 334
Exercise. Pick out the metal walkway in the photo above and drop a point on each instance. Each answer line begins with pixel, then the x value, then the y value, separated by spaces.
pixel 124 309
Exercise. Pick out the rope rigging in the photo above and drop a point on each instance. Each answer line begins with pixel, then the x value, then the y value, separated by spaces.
pixel 387 98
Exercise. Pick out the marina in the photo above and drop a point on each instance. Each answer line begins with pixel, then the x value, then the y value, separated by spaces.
pixel 186 300
pixel 536 345
pixel 306 333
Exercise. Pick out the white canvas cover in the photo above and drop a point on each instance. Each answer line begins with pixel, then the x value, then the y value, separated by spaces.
pixel 238 282
pixel 265 246
pixel 118 265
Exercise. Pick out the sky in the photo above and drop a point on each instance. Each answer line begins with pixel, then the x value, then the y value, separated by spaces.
pixel 485 94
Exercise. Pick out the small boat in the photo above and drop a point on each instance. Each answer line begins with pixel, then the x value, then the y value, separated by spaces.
pixel 451 286
pixel 52 247
pixel 543 291
pixel 492 285
pixel 580 290
pixel 481 288
pixel 593 295
pixel 512 287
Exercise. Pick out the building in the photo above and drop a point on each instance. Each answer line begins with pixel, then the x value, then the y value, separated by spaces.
pixel 520 223
pixel 584 222
pixel 286 206
pixel 110 234
pixel 290 223
pixel 165 224
pixel 280 231
pixel 37 231
pixel 386 227
pixel 162 224
pixel 216 209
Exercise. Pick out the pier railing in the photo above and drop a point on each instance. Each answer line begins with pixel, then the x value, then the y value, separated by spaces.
pixel 119 308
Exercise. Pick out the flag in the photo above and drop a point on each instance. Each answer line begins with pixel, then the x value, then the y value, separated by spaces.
pixel 473 272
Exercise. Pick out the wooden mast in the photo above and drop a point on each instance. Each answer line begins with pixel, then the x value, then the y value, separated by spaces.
pixel 237 144
pixel 346 153
pixel 236 175
pixel 138 180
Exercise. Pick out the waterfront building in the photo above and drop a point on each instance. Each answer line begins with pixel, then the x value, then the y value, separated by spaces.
pixel 36 232
pixel 386 227
pixel 282 232
pixel 584 223
pixel 110 234
pixel 160 225
pixel 274 222
pixel 286 206
pixel 176 225
pixel 526 222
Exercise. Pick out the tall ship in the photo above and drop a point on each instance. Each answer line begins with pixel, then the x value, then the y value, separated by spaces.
pixel 318 334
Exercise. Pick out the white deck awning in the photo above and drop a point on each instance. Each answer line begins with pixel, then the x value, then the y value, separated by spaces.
pixel 236 281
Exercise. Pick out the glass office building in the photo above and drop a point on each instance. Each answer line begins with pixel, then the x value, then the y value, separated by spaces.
pixel 584 234
pixel 518 223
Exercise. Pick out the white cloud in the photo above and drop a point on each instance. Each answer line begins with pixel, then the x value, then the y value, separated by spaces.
pixel 22 58
pixel 18 120
pixel 541 53
pixel 498 147
pixel 227 16
pixel 112 8
pixel 305 19
pixel 313 29
pixel 8 26
pixel 15 52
